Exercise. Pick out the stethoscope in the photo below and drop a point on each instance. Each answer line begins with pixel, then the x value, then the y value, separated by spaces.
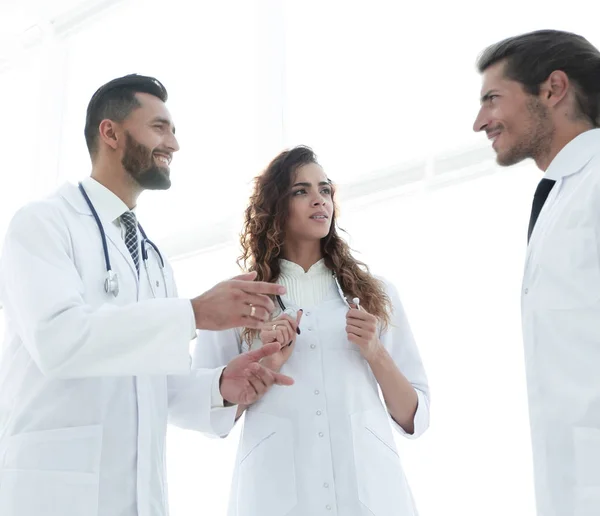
pixel 111 283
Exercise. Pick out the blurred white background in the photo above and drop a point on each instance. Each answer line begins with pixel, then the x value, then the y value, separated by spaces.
pixel 386 94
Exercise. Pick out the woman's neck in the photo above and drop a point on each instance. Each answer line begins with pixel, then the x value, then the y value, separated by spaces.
pixel 302 254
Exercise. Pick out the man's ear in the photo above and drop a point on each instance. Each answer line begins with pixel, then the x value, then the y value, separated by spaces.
pixel 109 133
pixel 555 88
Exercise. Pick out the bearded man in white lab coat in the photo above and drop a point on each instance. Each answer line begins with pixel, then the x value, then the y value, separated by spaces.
pixel 541 100
pixel 92 369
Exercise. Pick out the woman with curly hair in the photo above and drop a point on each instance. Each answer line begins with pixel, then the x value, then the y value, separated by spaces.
pixel 325 444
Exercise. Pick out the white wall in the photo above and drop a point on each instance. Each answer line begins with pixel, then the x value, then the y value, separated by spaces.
pixel 369 86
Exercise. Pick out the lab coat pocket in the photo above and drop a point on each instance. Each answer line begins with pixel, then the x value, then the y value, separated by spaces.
pixel 267 473
pixel 52 471
pixel 569 267
pixel 382 487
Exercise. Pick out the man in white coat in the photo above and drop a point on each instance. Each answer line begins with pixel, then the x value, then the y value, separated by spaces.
pixel 541 100
pixel 92 369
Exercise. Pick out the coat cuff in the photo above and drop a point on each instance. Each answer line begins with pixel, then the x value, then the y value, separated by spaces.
pixel 193 333
pixel 216 400
pixel 421 420
pixel 222 418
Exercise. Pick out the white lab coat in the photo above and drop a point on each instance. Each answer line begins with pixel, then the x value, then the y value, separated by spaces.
pixel 87 380
pixel 325 444
pixel 561 330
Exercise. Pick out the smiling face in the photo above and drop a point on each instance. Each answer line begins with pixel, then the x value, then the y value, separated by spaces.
pixel 518 124
pixel 310 209
pixel 149 143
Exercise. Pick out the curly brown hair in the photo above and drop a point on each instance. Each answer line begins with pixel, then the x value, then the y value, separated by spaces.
pixel 263 236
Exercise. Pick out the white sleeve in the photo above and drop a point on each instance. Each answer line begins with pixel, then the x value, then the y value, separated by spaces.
pixel 212 352
pixel 400 343
pixel 195 401
pixel 216 348
pixel 191 406
pixel 43 294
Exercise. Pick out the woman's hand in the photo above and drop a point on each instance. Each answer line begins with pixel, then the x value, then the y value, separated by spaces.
pixel 284 331
pixel 361 328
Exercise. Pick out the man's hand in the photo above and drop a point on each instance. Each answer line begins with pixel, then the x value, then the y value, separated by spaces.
pixel 239 302
pixel 244 380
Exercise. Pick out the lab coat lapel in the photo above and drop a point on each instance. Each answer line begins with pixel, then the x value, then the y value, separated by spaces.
pixel 570 161
pixel 113 234
pixel 155 281
pixel 560 194
pixel 542 221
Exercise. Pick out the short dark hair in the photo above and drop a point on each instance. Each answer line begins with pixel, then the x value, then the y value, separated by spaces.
pixel 530 59
pixel 115 101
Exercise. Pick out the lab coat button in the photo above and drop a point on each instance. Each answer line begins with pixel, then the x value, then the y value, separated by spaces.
pixel 328 507
pixel 317 392
pixel 313 346
pixel 526 291
pixel 318 412
pixel 321 434
pixel 326 485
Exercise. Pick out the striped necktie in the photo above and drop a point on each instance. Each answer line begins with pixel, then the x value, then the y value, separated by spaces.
pixel 129 220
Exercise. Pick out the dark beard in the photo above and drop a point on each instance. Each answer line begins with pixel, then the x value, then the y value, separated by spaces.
pixel 537 138
pixel 139 162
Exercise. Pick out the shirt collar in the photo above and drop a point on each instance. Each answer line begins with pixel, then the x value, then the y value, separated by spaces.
pixel 293 269
pixel 107 204
pixel 574 155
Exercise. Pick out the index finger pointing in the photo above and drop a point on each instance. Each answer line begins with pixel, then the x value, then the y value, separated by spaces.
pixel 281 379
pixel 261 287
pixel 247 276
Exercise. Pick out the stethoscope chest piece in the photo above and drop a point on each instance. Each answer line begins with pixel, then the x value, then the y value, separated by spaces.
pixel 111 284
